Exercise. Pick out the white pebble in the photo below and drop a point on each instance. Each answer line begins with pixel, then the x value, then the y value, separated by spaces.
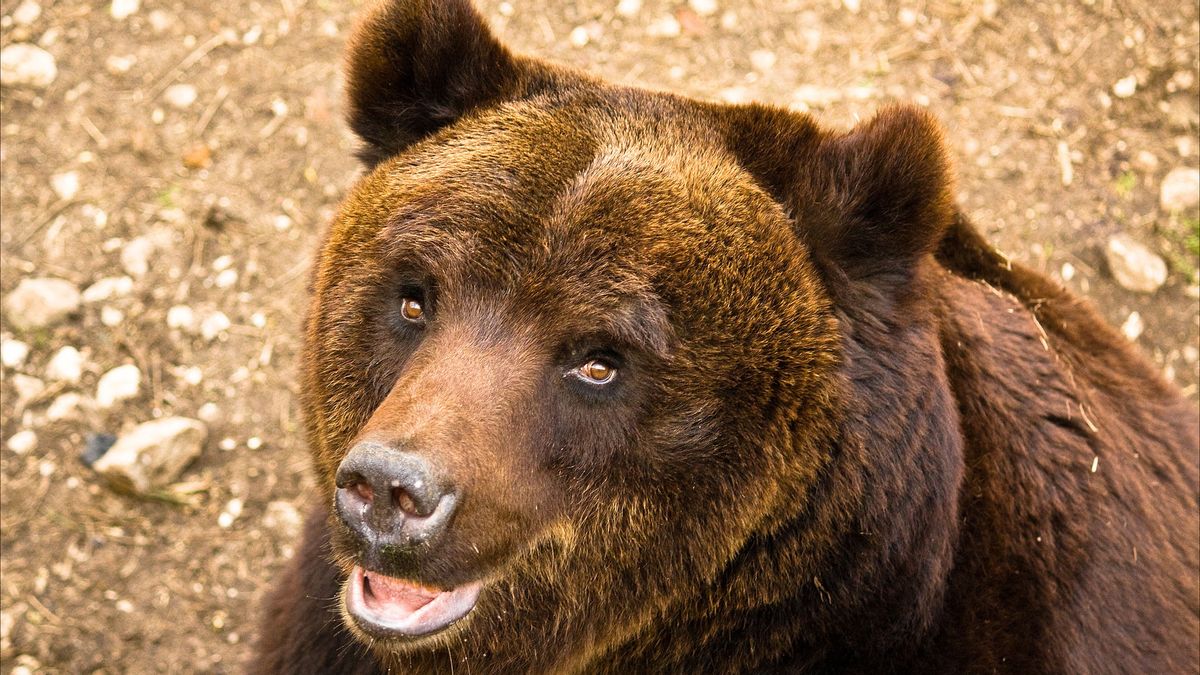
pixel 233 509
pixel 853 6
pixel 1068 271
pixel 222 263
pixel 22 442
pixel 629 8
pixel 254 442
pixel 26 13
pixel 66 185
pixel 1125 87
pixel 123 9
pixel 111 316
pixel 23 64
pixel 227 444
pixel 119 65
pixel 119 384
pixel 64 406
pixel 193 375
pixel 1133 326
pixel 762 59
pixel 1134 266
pixel 258 320
pixel 281 222
pixel 213 325
pixel 13 352
pixel 66 365
pixel 135 256
pixel 39 303
pixel 108 287
pixel 667 27
pixel 579 36
pixel 1180 189
pixel 703 7
pixel 181 317
pixel 180 95
pixel 226 278
pixel 252 36
pixel 209 412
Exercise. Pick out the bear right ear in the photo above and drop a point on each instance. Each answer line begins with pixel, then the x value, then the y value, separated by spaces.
pixel 415 66
pixel 872 201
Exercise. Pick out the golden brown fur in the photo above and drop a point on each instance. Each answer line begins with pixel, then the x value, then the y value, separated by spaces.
pixel 847 437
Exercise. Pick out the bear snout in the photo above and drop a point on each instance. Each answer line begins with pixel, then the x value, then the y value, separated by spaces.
pixel 392 499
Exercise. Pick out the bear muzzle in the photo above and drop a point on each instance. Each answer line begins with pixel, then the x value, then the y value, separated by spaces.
pixel 390 499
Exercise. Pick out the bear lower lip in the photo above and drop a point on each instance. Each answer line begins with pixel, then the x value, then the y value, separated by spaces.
pixel 389 607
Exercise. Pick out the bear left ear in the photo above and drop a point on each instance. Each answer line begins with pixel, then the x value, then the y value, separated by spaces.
pixel 415 66
pixel 872 200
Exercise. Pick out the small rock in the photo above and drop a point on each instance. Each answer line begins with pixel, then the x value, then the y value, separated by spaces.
pixel 1125 87
pixel 226 279
pixel 135 256
pixel 209 412
pixel 283 518
pixel 629 8
pixel 1133 326
pixel 233 509
pixel 153 454
pixel 123 9
pixel 252 35
pixel 13 352
pixel 66 185
pixel 281 222
pixel 198 156
pixel 26 13
pixel 762 60
pixel 23 64
pixel 64 406
pixel 28 389
pixel 579 36
pixel 66 365
pixel 119 384
pixel 38 303
pixel 22 442
pixel 94 447
pixel 703 7
pixel 1068 271
pixel 666 27
pixel 853 6
pixel 1134 266
pixel 180 95
pixel 181 317
pixel 108 287
pixel 111 316
pixel 119 65
pixel 213 325
pixel 227 444
pixel 1180 189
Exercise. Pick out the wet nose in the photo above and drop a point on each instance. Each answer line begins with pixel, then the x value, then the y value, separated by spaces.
pixel 390 497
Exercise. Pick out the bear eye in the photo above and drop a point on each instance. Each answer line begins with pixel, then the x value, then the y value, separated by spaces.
pixel 596 371
pixel 412 310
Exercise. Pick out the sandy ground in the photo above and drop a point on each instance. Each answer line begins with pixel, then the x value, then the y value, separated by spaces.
pixel 1064 118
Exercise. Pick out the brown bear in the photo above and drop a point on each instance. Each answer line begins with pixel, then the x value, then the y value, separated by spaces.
pixel 604 380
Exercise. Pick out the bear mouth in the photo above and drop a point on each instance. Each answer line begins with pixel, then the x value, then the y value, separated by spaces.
pixel 387 607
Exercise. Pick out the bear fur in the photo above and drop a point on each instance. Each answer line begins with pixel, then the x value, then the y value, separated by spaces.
pixel 846 434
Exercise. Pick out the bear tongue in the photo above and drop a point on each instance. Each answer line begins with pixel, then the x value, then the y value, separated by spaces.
pixel 395 598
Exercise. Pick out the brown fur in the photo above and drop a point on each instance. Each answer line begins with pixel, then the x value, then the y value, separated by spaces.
pixel 846 436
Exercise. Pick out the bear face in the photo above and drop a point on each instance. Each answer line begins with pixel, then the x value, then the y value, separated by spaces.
pixel 605 380
pixel 599 321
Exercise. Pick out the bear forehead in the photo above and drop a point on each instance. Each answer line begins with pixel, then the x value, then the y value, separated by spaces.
pixel 637 183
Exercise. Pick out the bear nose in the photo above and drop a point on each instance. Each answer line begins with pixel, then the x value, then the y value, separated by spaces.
pixel 390 497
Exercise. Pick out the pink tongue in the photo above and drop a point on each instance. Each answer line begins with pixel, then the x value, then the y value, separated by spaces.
pixel 394 598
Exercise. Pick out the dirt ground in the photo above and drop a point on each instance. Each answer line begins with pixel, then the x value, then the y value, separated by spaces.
pixel 1064 117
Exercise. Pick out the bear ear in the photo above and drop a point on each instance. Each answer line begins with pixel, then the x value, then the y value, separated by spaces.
pixel 415 66
pixel 871 201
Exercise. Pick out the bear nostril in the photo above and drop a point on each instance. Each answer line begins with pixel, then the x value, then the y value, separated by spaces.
pixel 404 501
pixel 363 490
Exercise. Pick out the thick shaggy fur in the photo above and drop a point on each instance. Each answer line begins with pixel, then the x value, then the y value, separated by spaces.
pixel 846 435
